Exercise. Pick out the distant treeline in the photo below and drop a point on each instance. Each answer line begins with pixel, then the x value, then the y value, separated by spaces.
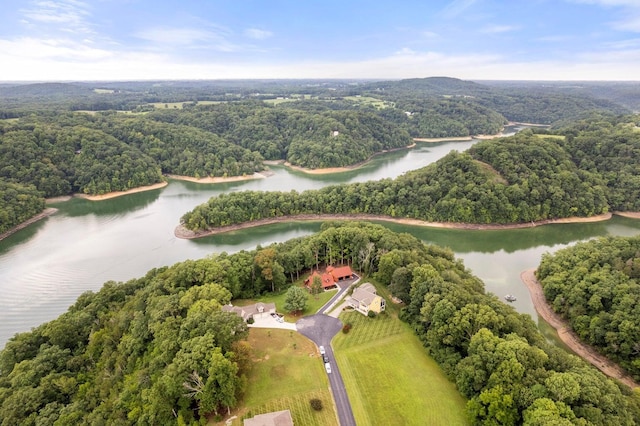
pixel 159 349
pixel 584 170
pixel 594 285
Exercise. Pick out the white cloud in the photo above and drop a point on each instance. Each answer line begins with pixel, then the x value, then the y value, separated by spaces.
pixel 27 48
pixel 631 3
pixel 430 35
pixel 405 51
pixel 64 15
pixel 498 29
pixel 556 38
pixel 65 59
pixel 456 8
pixel 187 38
pixel 257 34
pixel 630 24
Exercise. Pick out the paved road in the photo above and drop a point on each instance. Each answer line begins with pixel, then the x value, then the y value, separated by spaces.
pixel 320 329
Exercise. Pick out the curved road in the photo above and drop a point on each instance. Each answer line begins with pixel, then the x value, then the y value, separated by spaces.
pixel 320 329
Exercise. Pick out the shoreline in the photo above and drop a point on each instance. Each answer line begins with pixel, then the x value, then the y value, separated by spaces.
pixel 568 336
pixel 45 213
pixel 115 194
pixel 182 232
pixel 468 138
pixel 449 139
pixel 217 179
pixel 630 215
pixel 330 170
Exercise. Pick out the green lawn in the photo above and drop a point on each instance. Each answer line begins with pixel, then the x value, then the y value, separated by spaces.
pixel 313 304
pixel 286 374
pixel 389 377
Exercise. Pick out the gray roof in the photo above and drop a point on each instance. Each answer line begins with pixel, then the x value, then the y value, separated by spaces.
pixel 247 312
pixel 364 294
pixel 277 418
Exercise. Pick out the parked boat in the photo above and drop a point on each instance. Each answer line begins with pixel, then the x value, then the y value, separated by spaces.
pixel 510 298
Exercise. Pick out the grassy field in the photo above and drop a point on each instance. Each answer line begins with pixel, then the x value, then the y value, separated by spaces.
pixel 378 103
pixel 286 374
pixel 178 105
pixel 389 377
pixel 543 136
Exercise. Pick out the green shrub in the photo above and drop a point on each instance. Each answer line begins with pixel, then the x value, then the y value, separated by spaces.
pixel 316 404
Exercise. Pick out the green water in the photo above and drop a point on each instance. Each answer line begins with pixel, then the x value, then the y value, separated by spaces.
pixel 44 267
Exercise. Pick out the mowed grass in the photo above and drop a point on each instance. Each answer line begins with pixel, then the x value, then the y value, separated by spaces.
pixel 389 377
pixel 286 374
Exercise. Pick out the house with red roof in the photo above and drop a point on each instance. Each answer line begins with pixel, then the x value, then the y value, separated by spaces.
pixel 330 277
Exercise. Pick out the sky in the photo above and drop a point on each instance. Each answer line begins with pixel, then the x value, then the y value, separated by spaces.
pixel 68 40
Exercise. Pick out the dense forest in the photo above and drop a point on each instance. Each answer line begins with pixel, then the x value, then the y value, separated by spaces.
pixel 608 146
pixel 19 203
pixel 585 169
pixel 594 285
pixel 159 349
pixel 311 138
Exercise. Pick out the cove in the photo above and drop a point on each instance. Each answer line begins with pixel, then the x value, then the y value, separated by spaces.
pixel 46 266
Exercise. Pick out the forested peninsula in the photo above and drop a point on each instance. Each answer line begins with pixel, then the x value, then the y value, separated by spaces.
pixel 582 170
pixel 160 350
pixel 594 286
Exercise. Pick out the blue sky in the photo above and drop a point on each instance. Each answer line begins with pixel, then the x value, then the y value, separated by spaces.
pixel 222 39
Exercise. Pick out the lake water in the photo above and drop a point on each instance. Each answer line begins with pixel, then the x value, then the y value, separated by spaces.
pixel 46 266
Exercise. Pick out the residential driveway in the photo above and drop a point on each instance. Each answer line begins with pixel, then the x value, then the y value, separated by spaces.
pixel 320 329
pixel 270 322
pixel 343 286
pixel 335 312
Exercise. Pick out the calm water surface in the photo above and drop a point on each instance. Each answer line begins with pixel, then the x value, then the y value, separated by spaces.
pixel 46 266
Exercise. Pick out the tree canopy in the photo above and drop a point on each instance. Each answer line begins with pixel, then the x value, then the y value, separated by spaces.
pixel 594 285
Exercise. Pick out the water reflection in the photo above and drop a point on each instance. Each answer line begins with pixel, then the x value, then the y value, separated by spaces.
pixel 115 206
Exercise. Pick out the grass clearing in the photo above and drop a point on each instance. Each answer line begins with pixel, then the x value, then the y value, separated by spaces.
pixel 389 377
pixel 491 173
pixel 286 374
pixel 179 105
pixel 368 100
pixel 556 137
